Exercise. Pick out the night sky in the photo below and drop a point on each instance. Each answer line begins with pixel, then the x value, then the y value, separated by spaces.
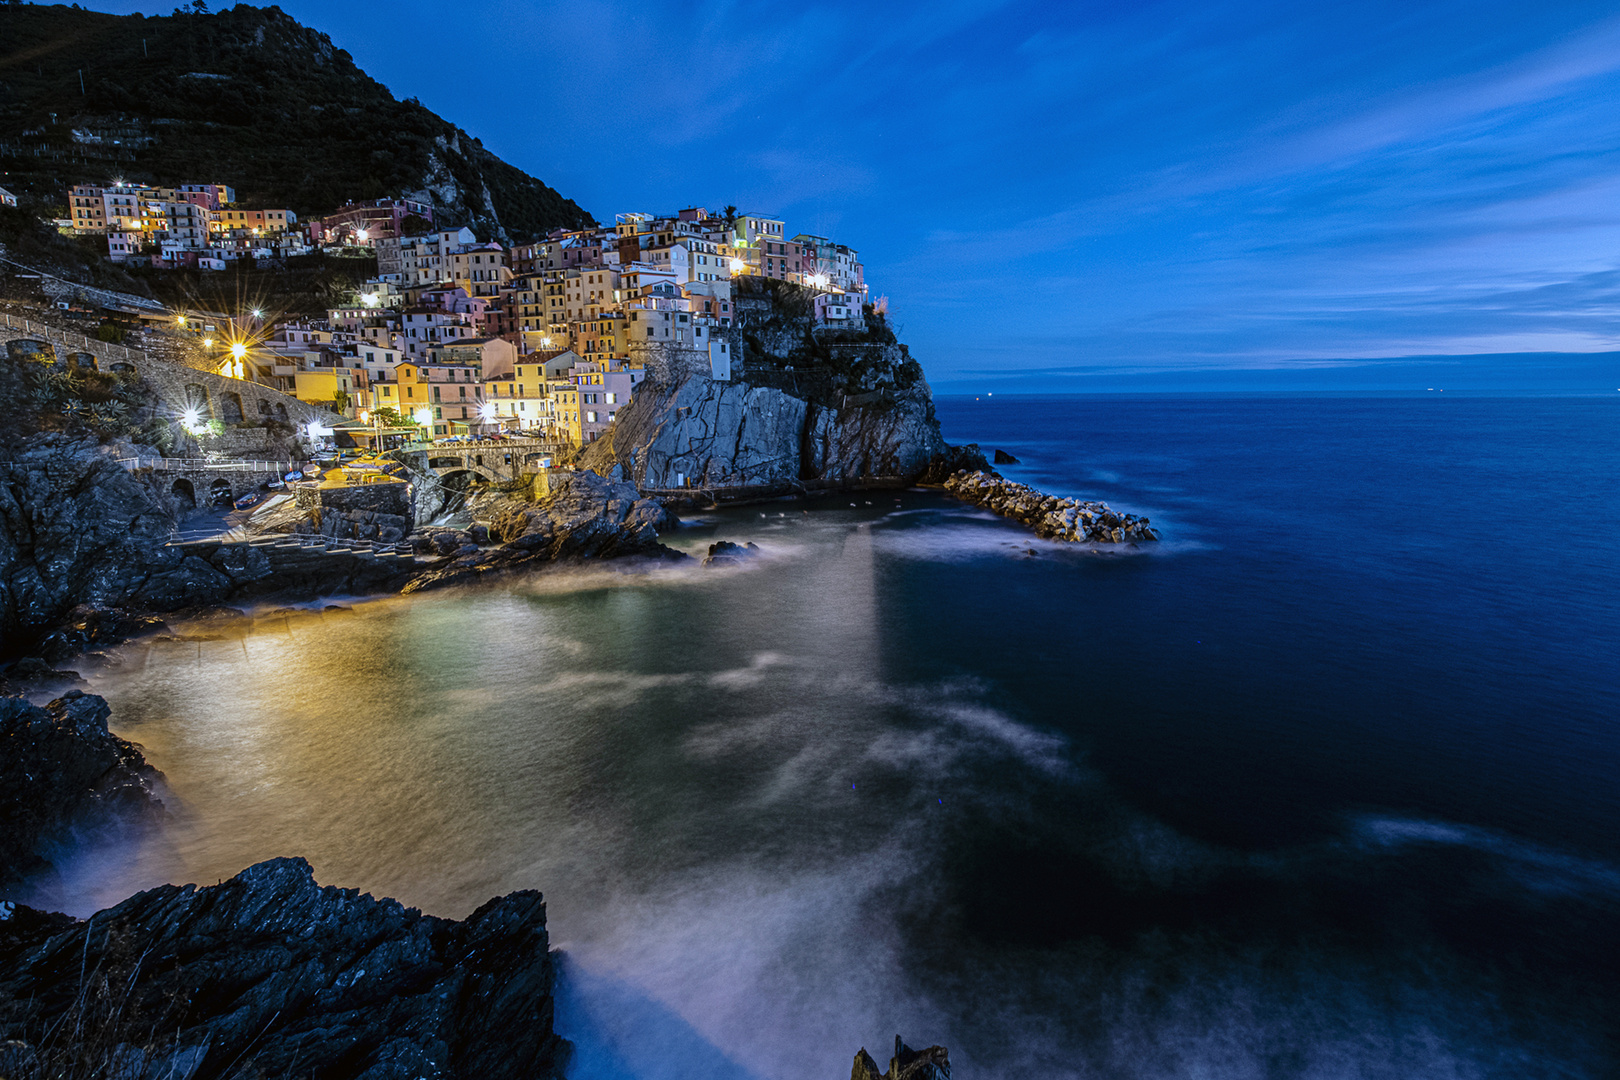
pixel 1050 191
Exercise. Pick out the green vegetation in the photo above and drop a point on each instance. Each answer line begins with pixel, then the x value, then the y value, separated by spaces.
pixel 47 395
pixel 245 97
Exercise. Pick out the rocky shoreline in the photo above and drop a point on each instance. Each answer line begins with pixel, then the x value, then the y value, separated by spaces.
pixel 1052 518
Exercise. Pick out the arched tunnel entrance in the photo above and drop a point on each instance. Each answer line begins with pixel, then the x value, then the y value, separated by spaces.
pixel 185 495
pixel 219 493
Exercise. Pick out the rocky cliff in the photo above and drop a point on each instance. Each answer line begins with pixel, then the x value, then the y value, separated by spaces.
pixel 63 774
pixel 807 408
pixel 270 974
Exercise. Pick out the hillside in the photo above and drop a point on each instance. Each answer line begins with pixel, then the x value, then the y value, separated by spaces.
pixel 246 97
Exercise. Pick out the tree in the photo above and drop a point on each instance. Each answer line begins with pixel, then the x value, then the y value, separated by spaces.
pixel 387 417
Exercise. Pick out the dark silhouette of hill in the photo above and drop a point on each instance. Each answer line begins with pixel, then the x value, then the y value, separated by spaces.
pixel 246 97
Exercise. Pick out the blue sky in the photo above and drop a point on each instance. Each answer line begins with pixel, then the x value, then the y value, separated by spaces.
pixel 1063 189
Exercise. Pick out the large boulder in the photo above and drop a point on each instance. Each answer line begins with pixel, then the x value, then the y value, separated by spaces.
pixel 270 974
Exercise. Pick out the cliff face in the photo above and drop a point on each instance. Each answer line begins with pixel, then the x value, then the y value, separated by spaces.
pixel 714 434
pixel 269 974
pixel 807 408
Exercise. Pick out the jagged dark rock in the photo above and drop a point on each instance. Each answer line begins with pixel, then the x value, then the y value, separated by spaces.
pixel 62 773
pixel 585 517
pixel 1004 458
pixel 726 553
pixel 269 974
pixel 1051 517
pixel 933 1063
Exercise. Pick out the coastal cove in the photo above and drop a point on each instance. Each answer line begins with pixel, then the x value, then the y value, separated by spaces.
pixel 1309 780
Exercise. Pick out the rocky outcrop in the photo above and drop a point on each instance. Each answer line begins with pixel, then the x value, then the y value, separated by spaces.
pixel 933 1063
pixel 62 774
pixel 75 528
pixel 585 517
pixel 1004 458
pixel 270 974
pixel 1050 517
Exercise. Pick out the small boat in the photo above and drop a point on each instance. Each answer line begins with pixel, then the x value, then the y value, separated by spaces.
pixel 296 474
pixel 275 485
pixel 247 500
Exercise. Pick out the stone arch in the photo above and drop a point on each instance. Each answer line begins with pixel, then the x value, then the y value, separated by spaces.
pixel 84 360
pixel 446 463
pixel 264 408
pixel 29 349
pixel 219 492
pixel 183 490
pixel 123 366
pixel 281 411
pixel 230 407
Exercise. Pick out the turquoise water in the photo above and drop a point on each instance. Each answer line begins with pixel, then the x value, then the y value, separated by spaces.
pixel 1324 785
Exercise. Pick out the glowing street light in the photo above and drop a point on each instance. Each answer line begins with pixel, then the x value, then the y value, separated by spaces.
pixel 258 314
pixel 370 299
pixel 487 410
pixel 738 266
pixel 360 235
pixel 180 319
pixel 238 349
pixel 424 416
pixel 191 419
pixel 208 343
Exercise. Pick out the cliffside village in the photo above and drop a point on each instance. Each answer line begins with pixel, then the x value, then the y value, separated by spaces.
pixel 467 339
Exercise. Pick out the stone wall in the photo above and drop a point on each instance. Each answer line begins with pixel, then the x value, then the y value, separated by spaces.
pixel 382 511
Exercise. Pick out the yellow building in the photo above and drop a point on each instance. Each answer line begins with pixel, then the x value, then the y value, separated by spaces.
pixel 322 386
pixel 565 411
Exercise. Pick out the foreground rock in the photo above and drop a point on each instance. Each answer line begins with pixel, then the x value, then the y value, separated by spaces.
pixel 933 1063
pixel 269 974
pixel 62 775
pixel 726 553
pixel 1049 516
pixel 585 517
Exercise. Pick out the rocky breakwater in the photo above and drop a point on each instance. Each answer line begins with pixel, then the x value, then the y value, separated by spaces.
pixel 582 516
pixel 270 974
pixel 1073 520
pixel 64 776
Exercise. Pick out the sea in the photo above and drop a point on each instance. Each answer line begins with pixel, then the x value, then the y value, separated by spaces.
pixel 1324 784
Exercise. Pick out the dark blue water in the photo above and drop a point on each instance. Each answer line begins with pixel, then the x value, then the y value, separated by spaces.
pixel 1403 606
pixel 1322 786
